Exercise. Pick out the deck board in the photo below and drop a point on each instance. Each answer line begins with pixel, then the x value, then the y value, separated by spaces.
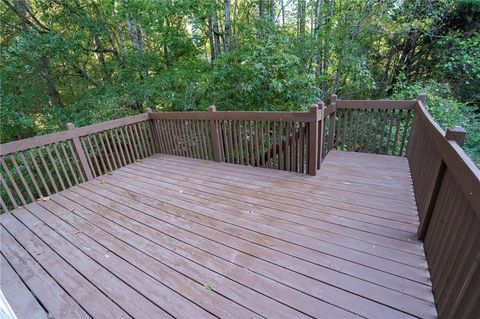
pixel 179 237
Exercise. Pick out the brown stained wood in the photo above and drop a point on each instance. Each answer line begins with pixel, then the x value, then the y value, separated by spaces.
pixel 404 134
pixel 251 143
pixel 8 191
pixel 375 134
pixel 48 292
pixel 62 165
pixel 19 298
pixel 135 146
pixel 39 172
pixel 160 136
pixel 106 153
pixel 231 150
pixel 90 152
pixel 30 174
pixel 235 116
pixel 262 145
pixel 397 131
pixel 141 139
pixel 69 162
pixel 390 128
pixel 276 146
pixel 98 153
pixel 3 205
pixel 20 175
pixel 369 136
pixel 111 153
pixel 197 139
pixel 240 141
pixel 96 303
pixel 37 141
pixel 54 165
pixel 47 169
pixel 287 142
pixel 256 144
pixel 376 104
pixel 247 235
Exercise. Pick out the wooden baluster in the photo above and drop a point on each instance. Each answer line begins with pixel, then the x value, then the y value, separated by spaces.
pixel 215 137
pixel 12 181
pixel 30 174
pixel 80 152
pixel 22 178
pixel 313 141
pixel 321 129
pixel 331 119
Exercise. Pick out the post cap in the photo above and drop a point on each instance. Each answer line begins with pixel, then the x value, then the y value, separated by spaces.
pixel 148 110
pixel 320 105
pixel 457 134
pixel 422 97
pixel 212 108
pixel 70 126
pixel 333 98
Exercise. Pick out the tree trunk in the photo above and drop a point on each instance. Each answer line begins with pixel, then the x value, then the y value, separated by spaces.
pixel 282 7
pixel 50 89
pixel 216 34
pixel 272 11
pixel 135 33
pixel 210 39
pixel 227 26
pixel 261 8
pixel 301 29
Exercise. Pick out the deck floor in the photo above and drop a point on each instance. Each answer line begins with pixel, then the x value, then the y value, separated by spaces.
pixel 186 238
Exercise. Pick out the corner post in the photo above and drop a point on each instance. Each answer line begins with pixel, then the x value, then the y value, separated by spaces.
pixel 456 134
pixel 313 141
pixel 331 126
pixel 217 156
pixel 421 98
pixel 153 133
pixel 77 145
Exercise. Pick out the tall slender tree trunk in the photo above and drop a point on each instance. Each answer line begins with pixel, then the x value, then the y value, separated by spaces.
pixel 216 34
pixel 301 29
pixel 261 8
pixel 282 8
pixel 272 11
pixel 50 88
pixel 210 39
pixel 227 26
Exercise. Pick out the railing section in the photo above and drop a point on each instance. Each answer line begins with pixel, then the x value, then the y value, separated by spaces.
pixel 278 140
pixel 379 127
pixel 447 190
pixel 35 168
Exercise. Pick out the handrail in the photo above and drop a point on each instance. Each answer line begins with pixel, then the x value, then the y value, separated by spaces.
pixel 447 191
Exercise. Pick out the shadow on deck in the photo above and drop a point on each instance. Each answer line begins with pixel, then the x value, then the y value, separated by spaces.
pixel 169 236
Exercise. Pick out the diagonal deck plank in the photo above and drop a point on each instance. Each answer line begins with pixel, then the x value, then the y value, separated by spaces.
pixel 179 237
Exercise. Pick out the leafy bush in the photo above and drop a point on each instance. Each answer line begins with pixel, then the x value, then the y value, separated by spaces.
pixel 446 111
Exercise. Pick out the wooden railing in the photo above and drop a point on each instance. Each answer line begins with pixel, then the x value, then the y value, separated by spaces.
pixel 447 191
pixel 288 141
pixel 37 167
pixel 380 127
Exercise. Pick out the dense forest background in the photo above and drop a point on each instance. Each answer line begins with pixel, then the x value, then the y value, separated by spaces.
pixel 86 61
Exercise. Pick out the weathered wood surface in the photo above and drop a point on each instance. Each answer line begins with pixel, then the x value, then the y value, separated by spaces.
pixel 170 236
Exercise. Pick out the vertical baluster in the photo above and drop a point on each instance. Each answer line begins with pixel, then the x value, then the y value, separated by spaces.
pixel 404 135
pixel 94 155
pixel 62 165
pixel 119 147
pixel 9 193
pixel 397 129
pixel 39 172
pixel 69 163
pixel 240 142
pixel 245 133
pixel 30 174
pixel 287 146
pixel 47 169
pixel 3 205
pixel 55 169
pixel 390 128
pixel 12 181
pixel 269 146
pixel 22 179
pixel 85 167
pixel 110 150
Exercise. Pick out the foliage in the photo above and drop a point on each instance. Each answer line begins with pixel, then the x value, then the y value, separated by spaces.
pixel 89 61
pixel 446 110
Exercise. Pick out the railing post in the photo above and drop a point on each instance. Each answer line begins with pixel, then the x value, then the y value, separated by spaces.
pixel 313 141
pixel 321 130
pixel 217 156
pixel 153 129
pixel 81 154
pixel 331 118
pixel 457 134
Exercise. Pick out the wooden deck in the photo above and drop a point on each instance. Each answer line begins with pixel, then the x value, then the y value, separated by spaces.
pixel 179 237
